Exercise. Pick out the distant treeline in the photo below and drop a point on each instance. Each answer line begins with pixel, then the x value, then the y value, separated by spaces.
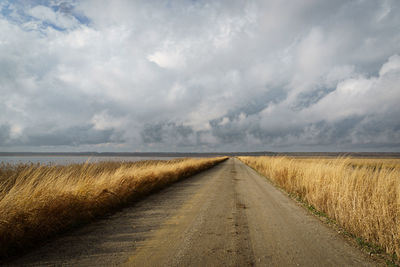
pixel 208 154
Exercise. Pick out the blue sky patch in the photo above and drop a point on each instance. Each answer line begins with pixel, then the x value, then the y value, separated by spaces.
pixel 17 12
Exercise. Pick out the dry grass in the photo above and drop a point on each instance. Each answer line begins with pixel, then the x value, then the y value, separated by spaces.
pixel 362 195
pixel 37 202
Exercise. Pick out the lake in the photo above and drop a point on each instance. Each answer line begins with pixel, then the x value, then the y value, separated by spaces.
pixel 64 160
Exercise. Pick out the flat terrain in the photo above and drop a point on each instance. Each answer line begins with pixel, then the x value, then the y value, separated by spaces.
pixel 226 216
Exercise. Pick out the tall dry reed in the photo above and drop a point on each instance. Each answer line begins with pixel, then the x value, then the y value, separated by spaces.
pixel 37 201
pixel 362 195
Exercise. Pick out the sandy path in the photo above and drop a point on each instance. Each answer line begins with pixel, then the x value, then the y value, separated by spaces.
pixel 226 216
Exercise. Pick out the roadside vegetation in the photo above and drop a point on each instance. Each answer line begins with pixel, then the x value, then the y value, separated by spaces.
pixel 361 195
pixel 39 201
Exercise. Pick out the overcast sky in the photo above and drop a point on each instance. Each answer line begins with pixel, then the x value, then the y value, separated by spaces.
pixel 201 75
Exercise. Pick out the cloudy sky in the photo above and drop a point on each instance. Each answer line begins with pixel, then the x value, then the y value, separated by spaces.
pixel 200 75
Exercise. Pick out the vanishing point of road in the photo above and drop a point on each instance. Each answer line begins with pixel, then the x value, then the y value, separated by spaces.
pixel 226 216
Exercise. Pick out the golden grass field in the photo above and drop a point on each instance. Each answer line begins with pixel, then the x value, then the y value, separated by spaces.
pixel 39 201
pixel 361 195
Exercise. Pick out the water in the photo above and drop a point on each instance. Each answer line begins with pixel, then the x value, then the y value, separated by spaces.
pixel 64 160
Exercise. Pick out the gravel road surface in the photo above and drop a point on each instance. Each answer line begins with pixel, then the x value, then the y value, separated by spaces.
pixel 226 216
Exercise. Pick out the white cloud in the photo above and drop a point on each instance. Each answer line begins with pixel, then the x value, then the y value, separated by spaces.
pixel 240 75
pixel 46 14
pixel 104 121
pixel 393 65
pixel 173 60
pixel 16 131
pixel 363 96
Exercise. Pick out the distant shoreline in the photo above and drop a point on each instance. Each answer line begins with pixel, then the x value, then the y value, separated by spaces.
pixel 204 154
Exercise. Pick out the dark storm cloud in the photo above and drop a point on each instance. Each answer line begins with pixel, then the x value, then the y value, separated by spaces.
pixel 71 136
pixel 256 103
pixel 199 75
pixel 169 133
pixel 4 134
pixel 74 136
pixel 306 99
pixel 152 133
pixel 228 133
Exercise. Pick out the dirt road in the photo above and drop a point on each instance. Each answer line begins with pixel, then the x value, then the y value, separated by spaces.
pixel 226 216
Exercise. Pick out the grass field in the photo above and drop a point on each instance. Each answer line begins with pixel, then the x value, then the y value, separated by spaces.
pixel 361 195
pixel 39 201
